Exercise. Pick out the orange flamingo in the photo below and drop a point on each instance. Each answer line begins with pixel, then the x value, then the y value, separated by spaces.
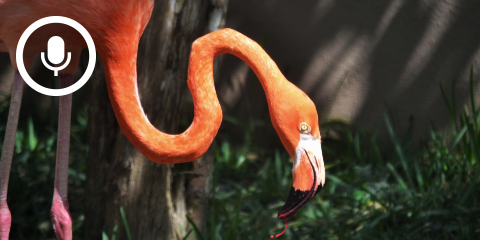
pixel 116 32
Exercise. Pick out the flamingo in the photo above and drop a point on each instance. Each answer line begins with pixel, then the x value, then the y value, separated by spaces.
pixel 10 31
pixel 116 27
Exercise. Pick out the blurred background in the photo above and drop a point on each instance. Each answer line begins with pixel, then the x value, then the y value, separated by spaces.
pixel 359 60
pixel 397 87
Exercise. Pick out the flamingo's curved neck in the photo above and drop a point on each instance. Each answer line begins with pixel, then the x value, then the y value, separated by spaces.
pixel 120 70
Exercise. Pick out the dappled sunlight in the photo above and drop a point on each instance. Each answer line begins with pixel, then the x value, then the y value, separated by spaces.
pixel 325 59
pixel 440 21
pixel 358 60
pixel 330 66
pixel 386 19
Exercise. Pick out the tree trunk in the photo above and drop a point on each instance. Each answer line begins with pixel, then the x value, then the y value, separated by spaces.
pixel 152 195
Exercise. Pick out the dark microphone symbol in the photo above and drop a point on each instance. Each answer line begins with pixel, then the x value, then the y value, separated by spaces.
pixel 56 52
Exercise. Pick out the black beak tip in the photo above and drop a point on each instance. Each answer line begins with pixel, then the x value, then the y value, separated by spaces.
pixel 296 199
pixel 285 213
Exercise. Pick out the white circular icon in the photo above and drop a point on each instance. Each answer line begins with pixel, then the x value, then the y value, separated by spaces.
pixel 91 52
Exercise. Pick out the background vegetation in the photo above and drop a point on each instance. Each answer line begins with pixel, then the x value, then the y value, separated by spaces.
pixel 430 192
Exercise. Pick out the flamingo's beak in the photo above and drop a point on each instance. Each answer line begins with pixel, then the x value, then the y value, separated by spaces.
pixel 308 175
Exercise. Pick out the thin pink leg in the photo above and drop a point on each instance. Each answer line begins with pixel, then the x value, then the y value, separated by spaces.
pixel 62 223
pixel 7 154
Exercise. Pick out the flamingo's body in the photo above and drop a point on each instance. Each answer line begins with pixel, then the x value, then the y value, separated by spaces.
pixel 116 27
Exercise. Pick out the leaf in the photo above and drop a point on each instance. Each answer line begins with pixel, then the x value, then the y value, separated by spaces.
pixel 32 139
pixel 459 137
pixel 450 108
pixel 114 234
pixel 186 235
pixel 418 174
pixel 226 151
pixel 240 160
pixel 104 236
pixel 400 181
pixel 435 213
pixel 398 149
pixel 474 141
pixel 19 141
pixel 195 229
pixel 124 218
pixel 472 94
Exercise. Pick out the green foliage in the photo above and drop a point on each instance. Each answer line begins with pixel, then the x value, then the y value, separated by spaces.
pixel 115 228
pixel 114 234
pixel 196 231
pixel 125 223
pixel 33 170
pixel 432 192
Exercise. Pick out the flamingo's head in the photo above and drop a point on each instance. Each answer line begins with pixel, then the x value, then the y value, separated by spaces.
pixel 297 126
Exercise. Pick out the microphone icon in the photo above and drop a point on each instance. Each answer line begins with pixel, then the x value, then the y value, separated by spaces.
pixel 56 52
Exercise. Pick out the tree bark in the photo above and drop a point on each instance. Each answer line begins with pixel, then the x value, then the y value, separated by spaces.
pixel 153 196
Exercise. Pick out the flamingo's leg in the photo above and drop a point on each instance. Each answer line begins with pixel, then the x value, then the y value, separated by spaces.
pixel 7 154
pixel 62 223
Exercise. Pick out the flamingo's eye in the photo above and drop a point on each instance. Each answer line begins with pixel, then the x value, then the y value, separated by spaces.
pixel 304 128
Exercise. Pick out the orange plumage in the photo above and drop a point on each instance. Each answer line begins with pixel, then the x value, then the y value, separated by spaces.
pixel 116 27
